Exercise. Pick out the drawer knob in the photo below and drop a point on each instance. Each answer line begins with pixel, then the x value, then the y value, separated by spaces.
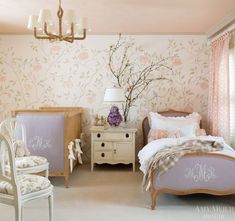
pixel 127 135
pixel 103 144
pixel 98 135
pixel 103 155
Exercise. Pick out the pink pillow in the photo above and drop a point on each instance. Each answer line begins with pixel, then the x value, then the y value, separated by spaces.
pixel 200 132
pixel 159 134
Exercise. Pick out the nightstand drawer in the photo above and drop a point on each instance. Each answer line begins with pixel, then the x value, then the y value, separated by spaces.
pixel 103 155
pixel 113 136
pixel 99 145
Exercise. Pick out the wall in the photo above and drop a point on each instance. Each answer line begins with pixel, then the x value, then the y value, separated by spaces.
pixel 37 73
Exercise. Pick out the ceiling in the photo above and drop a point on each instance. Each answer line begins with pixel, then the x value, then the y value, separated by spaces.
pixel 125 16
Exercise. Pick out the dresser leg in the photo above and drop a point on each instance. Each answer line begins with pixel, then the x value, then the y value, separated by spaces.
pixel 92 167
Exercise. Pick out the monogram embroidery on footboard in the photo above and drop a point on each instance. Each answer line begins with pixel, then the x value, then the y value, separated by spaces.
pixel 200 172
pixel 39 142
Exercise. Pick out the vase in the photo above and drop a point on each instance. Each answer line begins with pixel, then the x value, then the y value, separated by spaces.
pixel 114 118
pixel 126 123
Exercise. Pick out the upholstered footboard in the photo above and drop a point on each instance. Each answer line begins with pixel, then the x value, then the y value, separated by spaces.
pixel 196 173
pixel 49 132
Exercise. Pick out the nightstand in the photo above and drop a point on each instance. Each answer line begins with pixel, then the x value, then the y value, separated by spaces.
pixel 112 146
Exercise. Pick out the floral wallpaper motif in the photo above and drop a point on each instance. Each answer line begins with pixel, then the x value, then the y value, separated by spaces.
pixel 36 73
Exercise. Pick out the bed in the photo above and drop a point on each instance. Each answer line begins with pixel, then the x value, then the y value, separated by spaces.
pixel 209 173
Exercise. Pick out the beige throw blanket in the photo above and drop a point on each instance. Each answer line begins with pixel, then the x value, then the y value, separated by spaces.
pixel 166 158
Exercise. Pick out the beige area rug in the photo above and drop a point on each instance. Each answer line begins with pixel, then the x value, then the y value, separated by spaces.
pixel 114 193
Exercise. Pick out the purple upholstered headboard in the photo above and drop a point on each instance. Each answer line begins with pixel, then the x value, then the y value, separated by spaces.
pixel 169 113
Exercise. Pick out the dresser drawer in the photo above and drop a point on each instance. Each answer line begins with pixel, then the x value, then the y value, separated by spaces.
pixel 113 136
pixel 103 155
pixel 99 145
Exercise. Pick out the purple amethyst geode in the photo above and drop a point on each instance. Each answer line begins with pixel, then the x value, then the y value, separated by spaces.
pixel 114 117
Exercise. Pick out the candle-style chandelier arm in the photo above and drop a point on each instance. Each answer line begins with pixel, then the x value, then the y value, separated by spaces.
pixel 50 35
pixel 83 35
pixel 79 38
pixel 39 36
pixel 70 37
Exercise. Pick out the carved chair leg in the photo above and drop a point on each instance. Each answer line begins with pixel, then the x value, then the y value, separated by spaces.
pixel 51 206
pixel 18 212
pixel 22 213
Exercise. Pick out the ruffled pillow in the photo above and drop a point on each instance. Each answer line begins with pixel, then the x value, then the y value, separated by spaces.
pixel 187 125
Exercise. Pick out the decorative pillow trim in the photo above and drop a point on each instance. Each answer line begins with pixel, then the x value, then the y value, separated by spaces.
pixel 187 125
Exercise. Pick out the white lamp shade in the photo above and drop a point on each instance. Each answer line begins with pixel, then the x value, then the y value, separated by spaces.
pixel 70 17
pixel 76 29
pixel 114 95
pixel 51 29
pixel 33 22
pixel 44 16
pixel 83 23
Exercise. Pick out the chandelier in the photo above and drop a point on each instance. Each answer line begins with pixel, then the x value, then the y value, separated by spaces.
pixel 44 28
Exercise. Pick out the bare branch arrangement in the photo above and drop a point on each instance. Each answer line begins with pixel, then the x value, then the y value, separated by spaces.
pixel 133 76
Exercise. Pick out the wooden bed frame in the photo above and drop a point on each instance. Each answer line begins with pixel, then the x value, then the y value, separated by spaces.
pixel 153 191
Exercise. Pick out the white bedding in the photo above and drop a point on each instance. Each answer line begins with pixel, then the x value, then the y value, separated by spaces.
pixel 153 147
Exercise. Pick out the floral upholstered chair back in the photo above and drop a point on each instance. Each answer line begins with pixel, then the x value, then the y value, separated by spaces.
pixel 8 181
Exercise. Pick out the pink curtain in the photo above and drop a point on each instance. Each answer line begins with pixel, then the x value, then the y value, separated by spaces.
pixel 219 98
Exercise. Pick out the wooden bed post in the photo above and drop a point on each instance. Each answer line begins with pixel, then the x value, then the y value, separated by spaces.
pixel 154 193
pixel 66 181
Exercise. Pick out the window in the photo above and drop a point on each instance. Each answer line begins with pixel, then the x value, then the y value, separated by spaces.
pixel 232 89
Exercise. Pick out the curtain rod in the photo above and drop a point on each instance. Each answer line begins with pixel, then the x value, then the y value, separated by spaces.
pixel 229 27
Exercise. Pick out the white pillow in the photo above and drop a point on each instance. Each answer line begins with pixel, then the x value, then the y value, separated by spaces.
pixel 187 125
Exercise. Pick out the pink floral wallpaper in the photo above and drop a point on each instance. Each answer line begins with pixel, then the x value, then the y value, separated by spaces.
pixel 37 73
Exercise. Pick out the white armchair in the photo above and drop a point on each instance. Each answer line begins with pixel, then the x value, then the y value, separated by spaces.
pixel 17 189
pixel 14 130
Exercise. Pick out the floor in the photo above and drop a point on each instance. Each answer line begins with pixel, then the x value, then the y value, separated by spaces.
pixel 114 193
